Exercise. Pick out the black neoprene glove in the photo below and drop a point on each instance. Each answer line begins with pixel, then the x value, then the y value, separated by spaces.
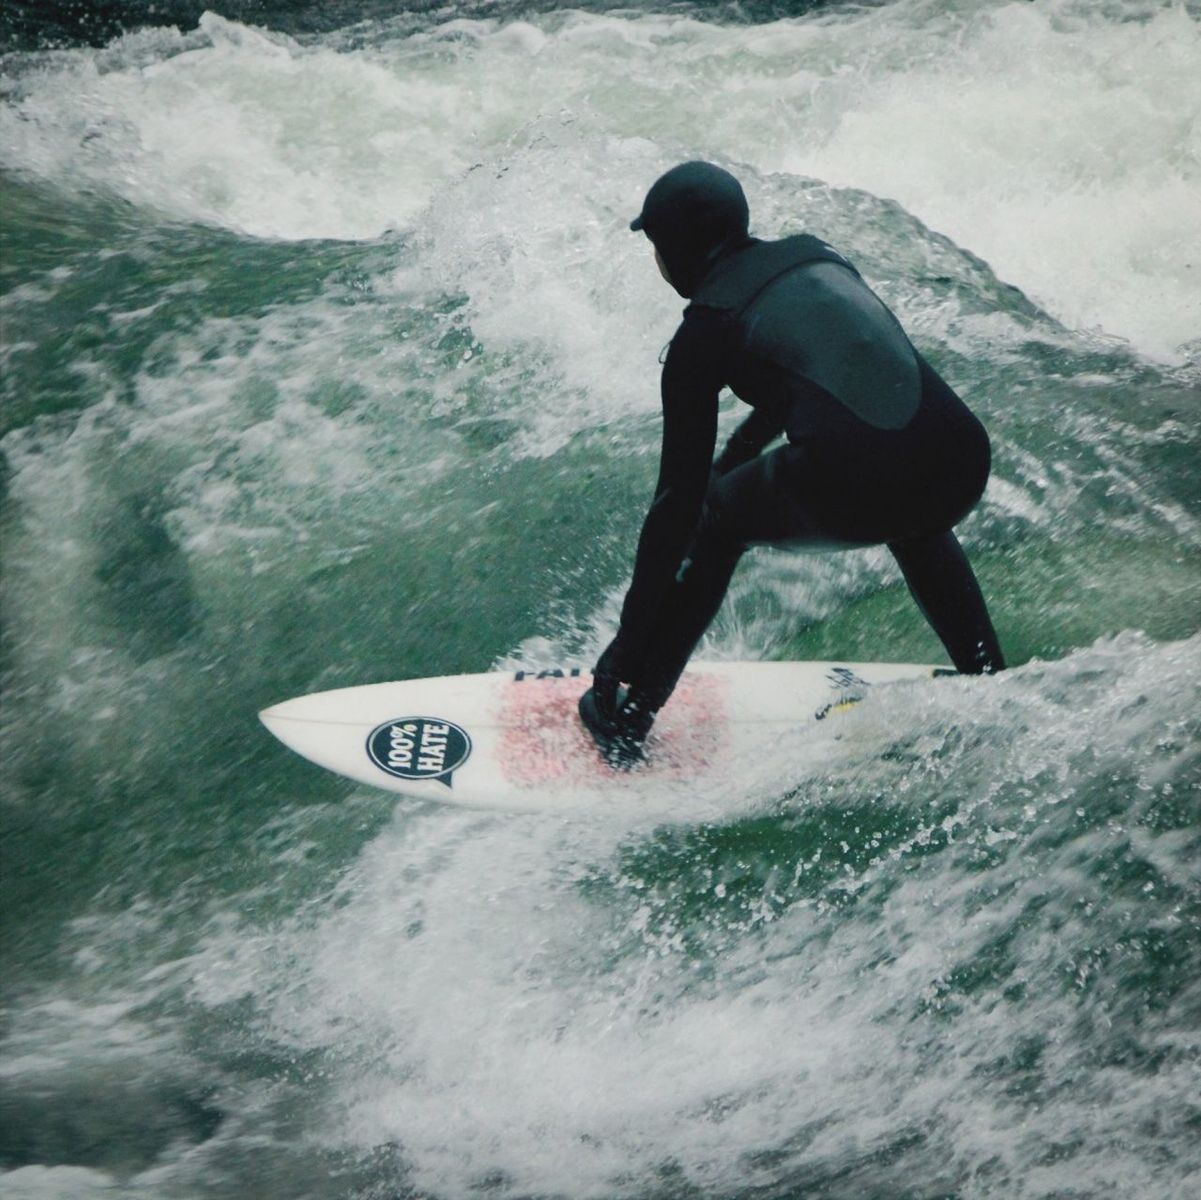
pixel 738 450
pixel 607 676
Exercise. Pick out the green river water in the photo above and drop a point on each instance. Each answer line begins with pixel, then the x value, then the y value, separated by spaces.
pixel 327 359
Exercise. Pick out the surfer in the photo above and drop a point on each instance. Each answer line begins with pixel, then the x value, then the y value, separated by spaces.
pixel 879 449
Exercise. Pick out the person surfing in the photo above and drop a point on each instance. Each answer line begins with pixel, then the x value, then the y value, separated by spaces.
pixel 879 450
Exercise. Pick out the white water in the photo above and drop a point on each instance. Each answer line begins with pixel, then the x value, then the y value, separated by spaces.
pixel 1059 141
pixel 515 995
pixel 476 1006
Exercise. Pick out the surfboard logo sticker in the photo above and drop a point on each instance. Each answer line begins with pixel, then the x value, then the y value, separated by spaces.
pixel 419 748
pixel 852 690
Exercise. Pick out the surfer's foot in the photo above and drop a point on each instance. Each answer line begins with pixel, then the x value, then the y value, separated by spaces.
pixel 619 736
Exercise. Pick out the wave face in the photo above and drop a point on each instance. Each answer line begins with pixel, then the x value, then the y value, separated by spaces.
pixel 327 358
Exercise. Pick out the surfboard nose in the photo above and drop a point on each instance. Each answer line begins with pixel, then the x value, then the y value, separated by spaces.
pixel 288 718
pixel 350 706
pixel 293 709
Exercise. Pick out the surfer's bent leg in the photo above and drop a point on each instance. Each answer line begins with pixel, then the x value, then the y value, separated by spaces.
pixel 766 502
pixel 941 580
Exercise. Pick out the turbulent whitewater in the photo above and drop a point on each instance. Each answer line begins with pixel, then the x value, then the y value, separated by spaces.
pixel 327 358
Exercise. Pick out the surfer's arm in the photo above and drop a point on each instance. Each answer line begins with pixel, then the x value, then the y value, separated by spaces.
pixel 690 386
pixel 748 440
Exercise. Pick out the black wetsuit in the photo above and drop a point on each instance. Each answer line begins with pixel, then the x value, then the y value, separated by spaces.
pixel 879 450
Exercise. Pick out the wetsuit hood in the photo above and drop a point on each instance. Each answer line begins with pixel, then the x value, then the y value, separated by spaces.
pixel 693 214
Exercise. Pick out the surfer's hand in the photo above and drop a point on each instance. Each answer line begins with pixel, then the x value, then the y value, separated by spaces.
pixel 606 679
pixel 604 692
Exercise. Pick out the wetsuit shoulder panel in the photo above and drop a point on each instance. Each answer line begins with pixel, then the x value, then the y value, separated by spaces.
pixel 802 307
pixel 828 326
pixel 739 278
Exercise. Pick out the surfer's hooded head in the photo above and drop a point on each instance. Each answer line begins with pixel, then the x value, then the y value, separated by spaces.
pixel 693 214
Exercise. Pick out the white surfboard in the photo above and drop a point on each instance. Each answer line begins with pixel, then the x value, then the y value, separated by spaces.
pixel 515 740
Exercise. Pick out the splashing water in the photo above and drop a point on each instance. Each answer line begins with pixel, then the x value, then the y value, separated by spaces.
pixel 327 358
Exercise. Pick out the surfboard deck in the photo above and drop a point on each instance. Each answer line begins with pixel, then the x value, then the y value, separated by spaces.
pixel 514 740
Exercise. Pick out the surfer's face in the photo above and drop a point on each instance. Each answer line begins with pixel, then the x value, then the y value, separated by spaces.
pixel 662 267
